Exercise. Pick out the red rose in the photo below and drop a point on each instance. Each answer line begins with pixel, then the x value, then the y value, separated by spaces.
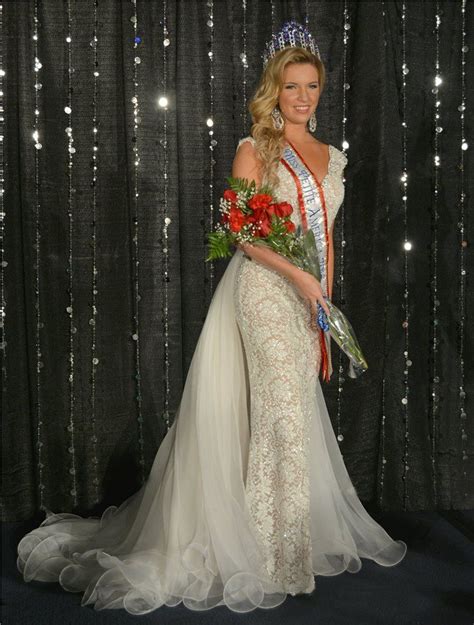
pixel 259 201
pixel 253 222
pixel 236 219
pixel 259 215
pixel 264 224
pixel 253 219
pixel 283 209
pixel 230 195
pixel 290 226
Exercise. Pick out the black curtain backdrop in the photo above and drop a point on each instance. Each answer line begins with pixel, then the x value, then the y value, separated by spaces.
pixel 368 411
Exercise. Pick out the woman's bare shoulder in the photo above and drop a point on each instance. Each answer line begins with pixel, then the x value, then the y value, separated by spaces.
pixel 246 149
pixel 246 163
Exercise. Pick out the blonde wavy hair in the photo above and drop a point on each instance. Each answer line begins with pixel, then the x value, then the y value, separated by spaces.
pixel 269 142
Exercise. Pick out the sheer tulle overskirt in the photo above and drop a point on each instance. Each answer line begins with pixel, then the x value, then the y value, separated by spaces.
pixel 342 531
pixel 187 534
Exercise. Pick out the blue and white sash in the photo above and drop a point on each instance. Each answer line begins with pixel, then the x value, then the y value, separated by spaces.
pixel 313 215
pixel 313 210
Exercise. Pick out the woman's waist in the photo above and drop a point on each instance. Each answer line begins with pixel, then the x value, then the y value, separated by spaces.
pixel 251 269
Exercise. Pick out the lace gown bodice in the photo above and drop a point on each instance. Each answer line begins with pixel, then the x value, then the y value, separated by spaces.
pixel 332 184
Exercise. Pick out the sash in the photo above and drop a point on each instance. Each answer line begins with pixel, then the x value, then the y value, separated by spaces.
pixel 312 205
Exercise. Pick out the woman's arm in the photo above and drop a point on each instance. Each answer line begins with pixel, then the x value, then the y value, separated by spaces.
pixel 246 165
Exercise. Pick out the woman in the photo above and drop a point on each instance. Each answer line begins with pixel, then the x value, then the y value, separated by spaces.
pixel 248 497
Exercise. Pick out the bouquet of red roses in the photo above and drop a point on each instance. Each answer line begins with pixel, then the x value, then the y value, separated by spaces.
pixel 248 216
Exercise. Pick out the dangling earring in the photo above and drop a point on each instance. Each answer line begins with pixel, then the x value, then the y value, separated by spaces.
pixel 278 121
pixel 313 122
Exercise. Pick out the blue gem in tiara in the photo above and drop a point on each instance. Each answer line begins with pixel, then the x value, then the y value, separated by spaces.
pixel 291 34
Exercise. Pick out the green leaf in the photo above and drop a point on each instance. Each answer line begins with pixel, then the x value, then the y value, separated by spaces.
pixel 247 187
pixel 219 245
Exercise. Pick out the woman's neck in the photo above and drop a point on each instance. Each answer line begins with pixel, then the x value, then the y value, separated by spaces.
pixel 298 136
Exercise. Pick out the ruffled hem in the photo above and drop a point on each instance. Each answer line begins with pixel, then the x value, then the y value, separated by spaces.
pixel 139 582
pixel 143 581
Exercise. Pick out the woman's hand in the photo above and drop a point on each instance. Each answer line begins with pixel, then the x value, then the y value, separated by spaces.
pixel 310 289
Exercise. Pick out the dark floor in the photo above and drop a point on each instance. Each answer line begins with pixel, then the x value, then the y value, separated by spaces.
pixel 433 585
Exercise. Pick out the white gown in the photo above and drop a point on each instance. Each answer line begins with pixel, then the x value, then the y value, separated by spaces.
pixel 248 498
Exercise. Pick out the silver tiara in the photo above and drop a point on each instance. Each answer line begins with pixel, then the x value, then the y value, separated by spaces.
pixel 291 34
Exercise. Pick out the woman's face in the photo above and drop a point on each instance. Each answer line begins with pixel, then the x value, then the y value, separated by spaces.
pixel 300 89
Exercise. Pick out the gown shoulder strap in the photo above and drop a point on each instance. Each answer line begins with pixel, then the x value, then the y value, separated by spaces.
pixel 248 138
pixel 338 157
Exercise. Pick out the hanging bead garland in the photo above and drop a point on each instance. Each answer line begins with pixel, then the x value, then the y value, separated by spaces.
pixel 37 65
pixel 434 378
pixel 70 309
pixel 243 58
pixel 346 26
pixel 406 247
pixel 135 239
pixel 212 140
pixel 385 335
pixel 462 260
pixel 163 103
pixel 273 10
pixel 95 157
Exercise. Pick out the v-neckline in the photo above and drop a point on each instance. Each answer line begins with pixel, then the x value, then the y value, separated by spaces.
pixel 320 184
